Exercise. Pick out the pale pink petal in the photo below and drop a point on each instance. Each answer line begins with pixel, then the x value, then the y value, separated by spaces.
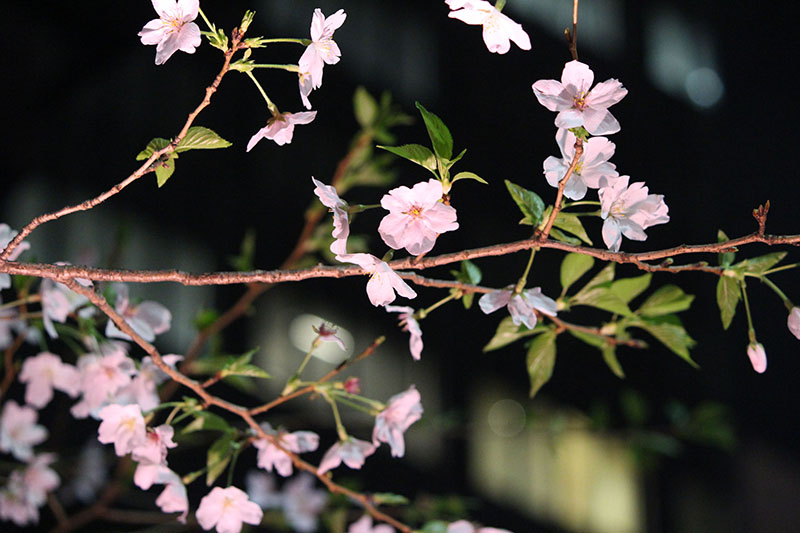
pixel 758 357
pixel 552 95
pixel 491 302
pixel 577 77
pixel 606 94
pixel 793 322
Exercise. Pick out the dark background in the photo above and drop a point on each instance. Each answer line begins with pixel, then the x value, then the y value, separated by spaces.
pixel 82 97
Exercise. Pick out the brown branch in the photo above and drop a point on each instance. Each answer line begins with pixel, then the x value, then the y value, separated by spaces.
pixel 572 37
pixel 560 194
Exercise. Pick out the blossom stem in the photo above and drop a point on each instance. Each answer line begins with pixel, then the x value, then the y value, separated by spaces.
pixel 358 208
pixel 336 417
pixel 272 107
pixel 751 332
pixel 580 202
pixel 523 280
pixel 21 301
pixel 371 407
pixel 211 27
pixel 289 68
pixel 291 383
pixel 304 42
pixel 786 301
pixel 422 313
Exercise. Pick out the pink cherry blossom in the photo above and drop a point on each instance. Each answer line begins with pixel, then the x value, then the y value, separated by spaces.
pixel 352 451
pixel 19 432
pixel 6 236
pixel 758 357
pixel 498 29
pixel 592 165
pixel 462 526
pixel 143 388
pixel 260 488
pixel 269 455
pixel 383 281
pixel 14 503
pixel 102 376
pixel 147 319
pixel 58 302
pixel 416 217
pixel 44 372
pixel 628 211
pixel 280 128
pixel 323 49
pixel 352 385
pixel 411 326
pixel 579 105
pixel 520 306
pixel 154 447
pixel 227 509
pixel 304 84
pixel 173 499
pixel 364 525
pixel 174 29
pixel 40 479
pixel 302 503
pixel 341 226
pixel 403 410
pixel 327 333
pixel 123 425
pixel 794 321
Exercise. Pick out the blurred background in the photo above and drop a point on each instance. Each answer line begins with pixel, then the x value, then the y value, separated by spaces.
pixel 707 122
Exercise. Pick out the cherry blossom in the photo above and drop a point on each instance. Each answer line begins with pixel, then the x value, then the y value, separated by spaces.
pixel 152 451
pixel 302 503
pixel 304 84
pixel 411 326
pixel 103 375
pixel 352 385
pixel 58 302
pixel 341 226
pixel 383 281
pixel 579 105
pixel 173 499
pixel 280 128
pixel 124 426
pixel 416 217
pixel 19 432
pixel 174 29
pixel 352 451
pixel 520 306
pixel 14 502
pixel 794 321
pixel 269 455
pixel 260 488
pixel 327 333
pixel 40 479
pixel 9 323
pixel 147 319
pixel 462 526
pixel 403 410
pixel 628 211
pixel 143 388
pixel 592 165
pixel 498 29
pixel 227 509
pixel 44 372
pixel 323 49
pixel 6 236
pixel 758 357
pixel 364 525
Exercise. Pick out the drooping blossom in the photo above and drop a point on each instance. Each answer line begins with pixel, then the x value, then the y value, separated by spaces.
pixel 758 357
pixel 280 128
pixel 364 525
pixel 592 165
pixel 40 479
pixel 383 281
pixel 143 387
pixel 327 333
pixel 323 49
pixel 416 217
pixel 19 432
pixel 151 454
pixel 174 29
pixel 793 322
pixel 122 425
pixel 10 323
pixel 403 410
pixel 411 326
pixel 58 302
pixel 341 226
pixel 173 499
pixel 14 503
pixel 102 376
pixel 147 319
pixel 577 103
pixel 304 84
pixel 6 236
pixel 520 306
pixel 352 451
pixel 628 211
pixel 227 509
pixel 44 372
pixel 302 503
pixel 270 456
pixel 498 29
pixel 462 526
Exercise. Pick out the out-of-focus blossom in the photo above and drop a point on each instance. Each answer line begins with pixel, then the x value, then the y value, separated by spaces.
pixel 151 455
pixel 628 211
pixel 592 165
pixel 14 503
pixel 40 479
pixel 147 319
pixel 174 29
pixel 173 499
pixel 302 503
pixel 416 217
pixel 364 525
pixel 19 432
pixel 327 333
pixel 341 225
pixel 143 388
pixel 352 385
pixel 10 323
pixel 260 488
pixel 758 357
pixel 44 372
pixel 122 425
pixel 462 526
pixel 103 375
pixel 58 302
pixel 498 29
pixel 520 306
pixel 403 410
pixel 383 281
pixel 352 451
pixel 411 326
pixel 323 49
pixel 227 509
pixel 577 103
pixel 270 456
pixel 280 128
pixel 6 236
pixel 793 322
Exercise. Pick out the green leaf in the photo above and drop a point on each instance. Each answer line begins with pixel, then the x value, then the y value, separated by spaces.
pixel 218 457
pixel 602 297
pixel 414 152
pixel 153 146
pixel 629 288
pixel 667 299
pixel 205 421
pixel 468 176
pixel 388 498
pixel 528 202
pixel 436 526
pixel 609 352
pixel 559 235
pixel 669 331
pixel 728 294
pixel 470 272
pixel 241 367
pixel 204 318
pixel 440 136
pixel 603 277
pixel 201 138
pixel 245 260
pixel 571 224
pixel 508 332
pixel 541 360
pixel 727 258
pixel 573 267
pixel 598 341
pixel 759 265
pixel 164 170
pixel 365 107
pixel 450 162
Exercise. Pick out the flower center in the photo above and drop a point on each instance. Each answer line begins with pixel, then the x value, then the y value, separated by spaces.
pixel 579 100
pixel 414 212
